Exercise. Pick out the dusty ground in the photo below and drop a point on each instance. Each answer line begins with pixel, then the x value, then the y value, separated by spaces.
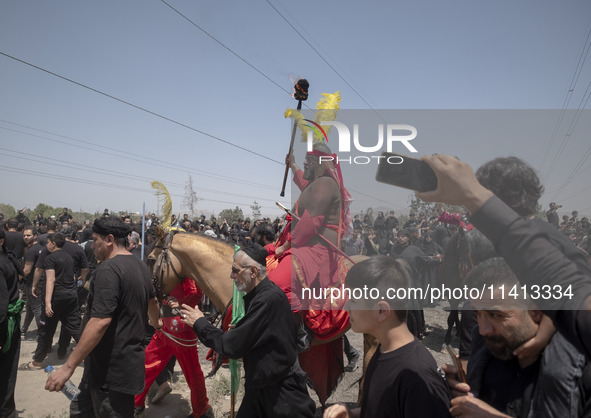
pixel 33 401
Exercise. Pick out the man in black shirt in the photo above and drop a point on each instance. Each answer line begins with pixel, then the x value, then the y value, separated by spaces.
pixel 86 232
pixel 80 272
pixel 357 223
pixel 412 221
pixel 22 218
pixel 65 216
pixel 265 338
pixel 10 337
pixel 548 385
pixel 33 304
pixel 552 216
pixel 391 221
pixel 14 239
pixel 112 339
pixel 60 298
pixel 537 253
pixel 51 228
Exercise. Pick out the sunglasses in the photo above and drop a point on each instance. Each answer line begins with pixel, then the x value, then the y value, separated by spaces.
pixel 238 271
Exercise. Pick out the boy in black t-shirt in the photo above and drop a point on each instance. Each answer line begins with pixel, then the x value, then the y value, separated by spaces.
pixel 402 378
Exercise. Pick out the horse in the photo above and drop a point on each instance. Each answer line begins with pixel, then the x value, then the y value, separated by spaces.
pixel 208 262
pixel 204 260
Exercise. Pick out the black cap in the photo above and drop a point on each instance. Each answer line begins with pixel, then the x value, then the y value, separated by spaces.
pixel 404 232
pixel 257 252
pixel 107 226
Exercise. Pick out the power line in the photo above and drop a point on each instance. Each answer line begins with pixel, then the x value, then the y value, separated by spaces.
pixel 135 156
pixel 127 156
pixel 135 159
pixel 108 185
pixel 226 47
pixel 141 108
pixel 322 57
pixel 172 120
pixel 567 98
pixel 112 173
pixel 576 194
pixel 581 107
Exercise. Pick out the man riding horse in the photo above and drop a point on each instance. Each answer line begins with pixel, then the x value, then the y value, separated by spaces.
pixel 323 211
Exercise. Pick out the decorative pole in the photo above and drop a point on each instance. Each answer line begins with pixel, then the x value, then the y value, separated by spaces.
pixel 300 93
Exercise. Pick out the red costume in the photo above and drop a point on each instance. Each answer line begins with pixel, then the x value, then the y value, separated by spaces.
pixel 179 340
pixel 316 265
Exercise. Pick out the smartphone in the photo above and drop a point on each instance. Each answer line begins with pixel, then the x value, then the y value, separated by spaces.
pixel 409 173
pixel 455 360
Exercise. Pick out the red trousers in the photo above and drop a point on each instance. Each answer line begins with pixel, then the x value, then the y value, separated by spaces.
pixel 158 354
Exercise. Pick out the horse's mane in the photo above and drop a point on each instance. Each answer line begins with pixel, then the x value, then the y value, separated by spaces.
pixel 217 241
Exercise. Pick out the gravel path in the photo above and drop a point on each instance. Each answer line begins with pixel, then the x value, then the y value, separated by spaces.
pixel 33 401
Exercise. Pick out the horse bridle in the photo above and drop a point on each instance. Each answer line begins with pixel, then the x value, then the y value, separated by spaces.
pixel 164 258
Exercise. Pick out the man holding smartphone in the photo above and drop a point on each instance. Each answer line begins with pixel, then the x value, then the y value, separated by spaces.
pixel 535 251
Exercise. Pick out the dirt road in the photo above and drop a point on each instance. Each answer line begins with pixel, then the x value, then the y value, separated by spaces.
pixel 33 401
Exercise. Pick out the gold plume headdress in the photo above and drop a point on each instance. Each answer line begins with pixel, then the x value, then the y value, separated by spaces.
pixel 162 191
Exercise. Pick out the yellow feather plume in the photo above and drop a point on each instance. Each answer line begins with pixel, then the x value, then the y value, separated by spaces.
pixel 162 191
pixel 327 109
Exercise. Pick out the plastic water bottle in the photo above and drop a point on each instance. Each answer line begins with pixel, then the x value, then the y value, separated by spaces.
pixel 70 389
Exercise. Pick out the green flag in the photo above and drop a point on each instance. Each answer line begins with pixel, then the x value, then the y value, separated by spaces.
pixel 237 314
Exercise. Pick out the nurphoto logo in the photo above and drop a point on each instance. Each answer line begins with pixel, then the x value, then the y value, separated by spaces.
pixel 392 134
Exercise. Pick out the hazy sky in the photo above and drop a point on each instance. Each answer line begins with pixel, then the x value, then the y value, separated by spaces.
pixel 65 145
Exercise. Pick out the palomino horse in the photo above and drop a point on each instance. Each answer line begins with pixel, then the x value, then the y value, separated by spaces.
pixel 204 260
pixel 208 262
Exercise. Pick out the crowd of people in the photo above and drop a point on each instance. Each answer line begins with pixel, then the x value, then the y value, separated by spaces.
pixel 522 359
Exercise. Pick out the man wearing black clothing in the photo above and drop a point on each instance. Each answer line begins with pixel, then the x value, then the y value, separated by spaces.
pixel 22 218
pixel 33 304
pixel 265 338
pixel 412 221
pixel 535 251
pixel 14 239
pixel 357 223
pixel 414 257
pixel 86 232
pixel 10 337
pixel 112 339
pixel 552 216
pixel 51 228
pixel 60 298
pixel 391 221
pixel 548 380
pixel 65 216
pixel 80 272
pixel 77 254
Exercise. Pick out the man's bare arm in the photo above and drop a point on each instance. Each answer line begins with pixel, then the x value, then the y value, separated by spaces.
pixel 49 284
pixel 154 313
pixel 36 278
pixel 84 274
pixel 28 268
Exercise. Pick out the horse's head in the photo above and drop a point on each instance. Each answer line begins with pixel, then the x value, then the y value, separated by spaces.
pixel 164 265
